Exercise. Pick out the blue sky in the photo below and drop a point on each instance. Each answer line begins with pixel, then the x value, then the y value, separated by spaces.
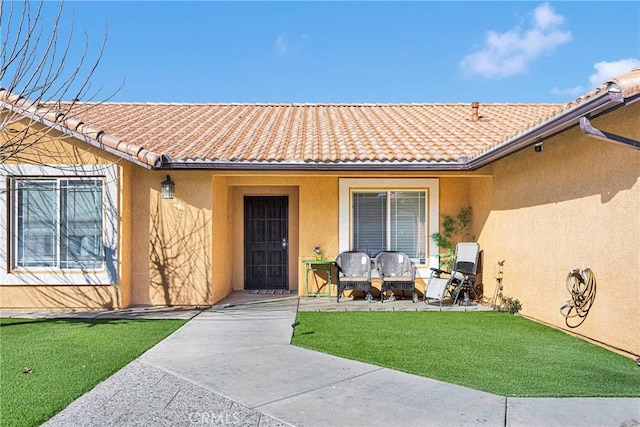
pixel 357 52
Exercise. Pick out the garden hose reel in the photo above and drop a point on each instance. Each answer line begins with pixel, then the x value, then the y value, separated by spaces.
pixel 581 285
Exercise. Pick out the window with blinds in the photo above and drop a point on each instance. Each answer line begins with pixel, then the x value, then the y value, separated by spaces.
pixel 59 223
pixel 390 221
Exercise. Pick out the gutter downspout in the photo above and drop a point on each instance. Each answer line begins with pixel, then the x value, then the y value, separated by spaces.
pixel 589 130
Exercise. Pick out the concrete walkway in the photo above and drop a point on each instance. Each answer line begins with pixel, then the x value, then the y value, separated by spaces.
pixel 233 365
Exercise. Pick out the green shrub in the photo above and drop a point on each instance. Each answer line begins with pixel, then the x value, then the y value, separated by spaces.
pixel 512 305
pixel 454 230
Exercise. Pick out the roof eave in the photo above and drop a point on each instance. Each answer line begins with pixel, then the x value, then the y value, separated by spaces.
pixel 311 166
pixel 141 156
pixel 556 124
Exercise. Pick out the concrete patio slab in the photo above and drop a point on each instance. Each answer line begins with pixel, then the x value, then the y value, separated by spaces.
pixel 359 304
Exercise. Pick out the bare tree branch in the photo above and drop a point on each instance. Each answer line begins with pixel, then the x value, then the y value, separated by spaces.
pixel 39 76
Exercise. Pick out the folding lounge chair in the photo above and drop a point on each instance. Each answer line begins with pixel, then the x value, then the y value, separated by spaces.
pixel 354 272
pixel 437 289
pixel 397 272
pixel 461 279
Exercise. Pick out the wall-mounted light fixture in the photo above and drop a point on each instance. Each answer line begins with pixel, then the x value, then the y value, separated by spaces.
pixel 538 147
pixel 168 187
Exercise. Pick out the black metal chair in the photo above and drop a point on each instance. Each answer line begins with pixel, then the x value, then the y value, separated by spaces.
pixel 397 272
pixel 354 272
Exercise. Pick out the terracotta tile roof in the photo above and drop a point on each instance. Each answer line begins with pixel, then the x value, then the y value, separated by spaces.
pixel 311 133
pixel 436 135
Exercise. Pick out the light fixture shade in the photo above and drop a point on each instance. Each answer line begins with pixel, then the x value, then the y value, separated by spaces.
pixel 168 187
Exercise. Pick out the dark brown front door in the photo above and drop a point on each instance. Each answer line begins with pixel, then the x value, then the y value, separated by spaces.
pixel 266 242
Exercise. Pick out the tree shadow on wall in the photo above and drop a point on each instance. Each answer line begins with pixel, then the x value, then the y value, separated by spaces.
pixel 75 296
pixel 180 255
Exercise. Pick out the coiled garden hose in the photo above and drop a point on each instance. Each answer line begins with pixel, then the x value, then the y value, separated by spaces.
pixel 581 285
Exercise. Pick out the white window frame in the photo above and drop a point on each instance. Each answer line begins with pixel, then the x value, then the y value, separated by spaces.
pixel 347 186
pixel 11 275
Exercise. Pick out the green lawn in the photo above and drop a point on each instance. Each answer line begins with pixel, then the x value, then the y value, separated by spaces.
pixel 491 351
pixel 66 358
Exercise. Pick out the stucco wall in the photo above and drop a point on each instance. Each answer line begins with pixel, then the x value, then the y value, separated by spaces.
pixel 125 233
pixel 60 296
pixel 481 201
pixel 222 257
pixel 454 194
pixel 171 239
pixel 574 205
pixel 319 226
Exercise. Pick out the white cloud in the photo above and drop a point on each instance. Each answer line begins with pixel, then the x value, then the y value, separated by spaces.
pixel 604 71
pixel 545 17
pixel 282 46
pixel 510 53
pixel 607 70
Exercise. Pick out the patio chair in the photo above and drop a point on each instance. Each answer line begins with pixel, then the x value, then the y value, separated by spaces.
pixel 437 289
pixel 354 272
pixel 461 278
pixel 397 272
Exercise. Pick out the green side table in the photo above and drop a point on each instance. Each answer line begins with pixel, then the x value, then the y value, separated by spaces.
pixel 316 266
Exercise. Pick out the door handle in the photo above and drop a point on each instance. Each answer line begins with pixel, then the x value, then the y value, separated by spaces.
pixel 284 243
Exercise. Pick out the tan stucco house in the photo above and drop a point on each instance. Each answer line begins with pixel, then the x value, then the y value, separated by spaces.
pixel 258 186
